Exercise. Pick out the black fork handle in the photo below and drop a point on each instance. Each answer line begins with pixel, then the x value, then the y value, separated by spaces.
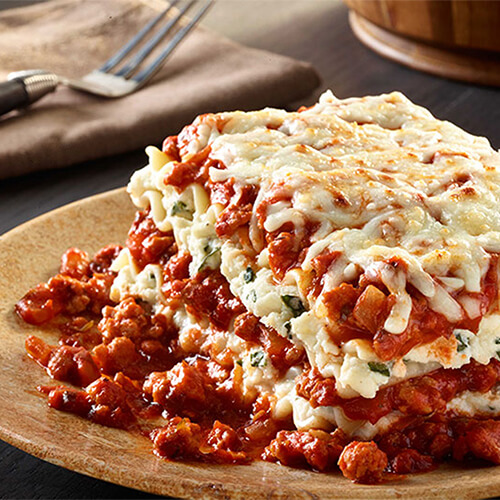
pixel 13 95
pixel 25 87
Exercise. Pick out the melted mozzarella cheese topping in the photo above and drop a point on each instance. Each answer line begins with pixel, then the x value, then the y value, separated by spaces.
pixel 378 178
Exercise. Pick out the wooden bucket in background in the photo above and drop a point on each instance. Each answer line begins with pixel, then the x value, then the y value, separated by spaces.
pixel 457 39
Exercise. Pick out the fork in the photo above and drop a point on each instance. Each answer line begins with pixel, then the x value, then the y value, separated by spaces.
pixel 25 87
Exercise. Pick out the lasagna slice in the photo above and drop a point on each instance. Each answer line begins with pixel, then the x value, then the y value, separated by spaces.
pixel 317 288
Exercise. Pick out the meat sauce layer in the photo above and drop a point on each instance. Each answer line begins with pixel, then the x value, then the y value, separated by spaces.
pixel 127 369
pixel 422 395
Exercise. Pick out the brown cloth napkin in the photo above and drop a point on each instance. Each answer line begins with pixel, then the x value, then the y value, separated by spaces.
pixel 71 37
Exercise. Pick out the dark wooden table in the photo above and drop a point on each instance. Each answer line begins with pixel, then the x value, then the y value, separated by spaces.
pixel 312 30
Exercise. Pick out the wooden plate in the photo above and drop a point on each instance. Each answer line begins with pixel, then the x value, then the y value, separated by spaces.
pixel 30 254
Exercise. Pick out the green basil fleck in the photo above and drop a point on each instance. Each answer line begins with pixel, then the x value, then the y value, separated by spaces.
pixel 381 368
pixel 181 209
pixel 209 254
pixel 248 275
pixel 497 341
pixel 258 359
pixel 239 362
pixel 462 344
pixel 294 304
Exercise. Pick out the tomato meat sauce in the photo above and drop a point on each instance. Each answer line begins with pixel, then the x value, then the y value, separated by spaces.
pixel 420 396
pixel 358 310
pixel 125 364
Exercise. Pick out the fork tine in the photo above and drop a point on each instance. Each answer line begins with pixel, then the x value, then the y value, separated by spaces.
pixel 132 65
pixel 131 44
pixel 149 72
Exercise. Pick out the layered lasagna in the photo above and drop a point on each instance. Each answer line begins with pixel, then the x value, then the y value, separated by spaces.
pixel 316 288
